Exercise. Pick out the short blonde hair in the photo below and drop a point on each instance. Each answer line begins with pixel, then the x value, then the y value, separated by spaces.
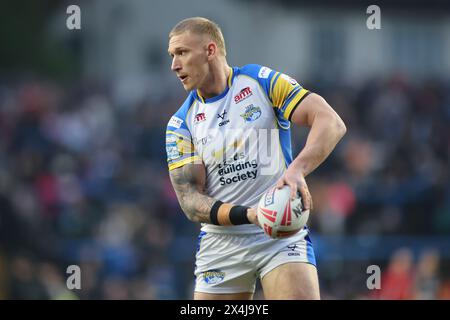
pixel 201 26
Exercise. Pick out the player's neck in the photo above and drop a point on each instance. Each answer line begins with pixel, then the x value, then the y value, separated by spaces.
pixel 216 81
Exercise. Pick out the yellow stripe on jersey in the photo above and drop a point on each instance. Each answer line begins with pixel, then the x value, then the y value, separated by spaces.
pixel 177 134
pixel 293 103
pixel 230 77
pixel 271 81
pixel 183 162
pixel 280 91
pixel 200 96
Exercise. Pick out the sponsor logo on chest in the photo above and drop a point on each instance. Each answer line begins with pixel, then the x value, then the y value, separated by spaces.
pixel 243 94
pixel 199 117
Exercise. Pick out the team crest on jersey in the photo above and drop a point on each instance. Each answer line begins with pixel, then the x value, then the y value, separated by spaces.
pixel 251 113
pixel 213 276
pixel 199 117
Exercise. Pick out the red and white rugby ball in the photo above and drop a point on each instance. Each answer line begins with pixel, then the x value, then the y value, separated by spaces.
pixel 280 216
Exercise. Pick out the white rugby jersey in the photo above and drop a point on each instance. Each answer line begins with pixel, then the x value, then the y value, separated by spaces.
pixel 242 136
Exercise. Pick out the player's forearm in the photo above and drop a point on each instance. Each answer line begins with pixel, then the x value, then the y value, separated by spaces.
pixel 196 206
pixel 326 131
pixel 187 182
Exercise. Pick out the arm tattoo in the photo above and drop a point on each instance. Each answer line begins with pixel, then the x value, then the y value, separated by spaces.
pixel 189 184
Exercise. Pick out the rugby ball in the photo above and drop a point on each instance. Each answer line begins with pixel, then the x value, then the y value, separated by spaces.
pixel 278 215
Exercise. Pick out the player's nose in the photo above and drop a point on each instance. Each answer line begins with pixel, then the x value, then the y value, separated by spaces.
pixel 176 66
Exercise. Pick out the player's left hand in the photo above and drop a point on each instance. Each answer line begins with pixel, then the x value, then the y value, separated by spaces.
pixel 253 216
pixel 296 181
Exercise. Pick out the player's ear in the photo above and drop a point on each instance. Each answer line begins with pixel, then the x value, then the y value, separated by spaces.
pixel 211 50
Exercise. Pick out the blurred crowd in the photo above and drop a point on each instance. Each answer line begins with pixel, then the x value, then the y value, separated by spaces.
pixel 83 181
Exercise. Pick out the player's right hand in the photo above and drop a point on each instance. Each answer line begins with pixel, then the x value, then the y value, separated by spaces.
pixel 296 182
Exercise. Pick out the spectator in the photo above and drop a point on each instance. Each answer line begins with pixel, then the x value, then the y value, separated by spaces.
pixel 397 280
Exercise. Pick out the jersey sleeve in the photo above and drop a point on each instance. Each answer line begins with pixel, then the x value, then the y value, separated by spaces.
pixel 284 92
pixel 179 147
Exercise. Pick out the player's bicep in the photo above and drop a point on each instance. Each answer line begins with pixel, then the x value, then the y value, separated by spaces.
pixel 189 178
pixel 189 184
pixel 311 106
